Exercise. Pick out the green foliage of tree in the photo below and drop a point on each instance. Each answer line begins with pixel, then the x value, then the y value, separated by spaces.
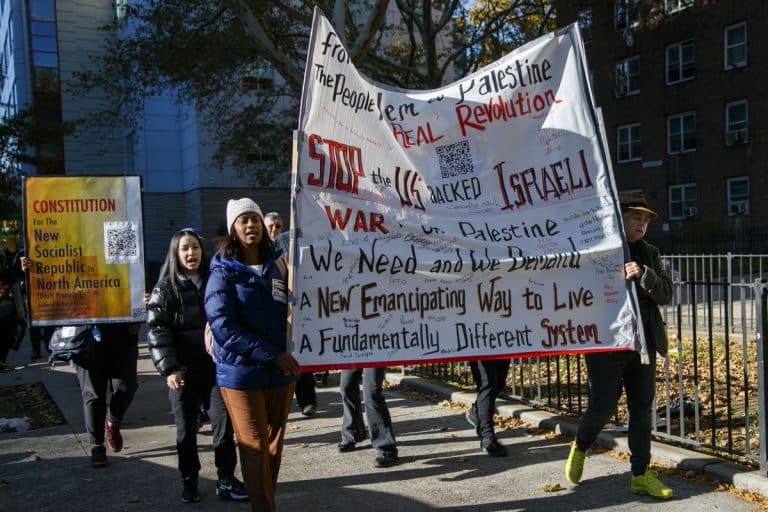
pixel 21 136
pixel 497 27
pixel 15 135
pixel 216 55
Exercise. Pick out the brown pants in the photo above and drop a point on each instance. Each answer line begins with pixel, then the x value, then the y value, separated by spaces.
pixel 258 418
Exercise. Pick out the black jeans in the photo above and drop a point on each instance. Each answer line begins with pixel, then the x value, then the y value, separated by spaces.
pixel 607 373
pixel 39 336
pixel 490 377
pixel 113 366
pixel 7 325
pixel 199 388
pixel 379 420
pixel 305 390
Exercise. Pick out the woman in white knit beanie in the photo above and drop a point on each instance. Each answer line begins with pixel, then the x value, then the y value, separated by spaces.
pixel 246 302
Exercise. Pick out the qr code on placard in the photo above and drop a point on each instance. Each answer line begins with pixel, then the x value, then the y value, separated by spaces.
pixel 455 159
pixel 121 242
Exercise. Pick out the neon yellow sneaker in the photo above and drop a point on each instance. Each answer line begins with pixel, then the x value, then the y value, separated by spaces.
pixel 649 483
pixel 574 467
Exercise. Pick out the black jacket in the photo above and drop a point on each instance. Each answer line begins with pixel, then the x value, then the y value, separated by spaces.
pixel 654 289
pixel 175 326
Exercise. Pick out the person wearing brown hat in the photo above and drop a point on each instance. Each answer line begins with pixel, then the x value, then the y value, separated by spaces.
pixel 607 372
pixel 246 303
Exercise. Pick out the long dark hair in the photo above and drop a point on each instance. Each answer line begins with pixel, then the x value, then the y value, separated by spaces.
pixel 171 268
pixel 229 246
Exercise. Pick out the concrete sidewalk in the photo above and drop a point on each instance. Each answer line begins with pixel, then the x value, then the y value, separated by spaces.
pixel 441 466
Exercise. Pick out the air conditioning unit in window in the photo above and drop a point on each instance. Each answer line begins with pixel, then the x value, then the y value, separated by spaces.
pixel 739 137
pixel 740 207
pixel 691 211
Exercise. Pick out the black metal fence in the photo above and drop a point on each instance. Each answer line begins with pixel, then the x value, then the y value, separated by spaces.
pixel 710 389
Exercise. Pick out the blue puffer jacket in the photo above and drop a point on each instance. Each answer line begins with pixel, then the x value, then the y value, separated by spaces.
pixel 248 312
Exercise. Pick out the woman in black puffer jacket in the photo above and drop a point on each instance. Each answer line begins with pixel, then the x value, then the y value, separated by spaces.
pixel 176 322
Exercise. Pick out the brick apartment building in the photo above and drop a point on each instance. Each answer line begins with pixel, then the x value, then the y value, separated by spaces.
pixel 681 84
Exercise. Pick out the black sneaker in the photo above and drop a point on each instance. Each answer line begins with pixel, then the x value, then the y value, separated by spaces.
pixel 189 492
pixel 349 446
pixel 99 456
pixel 230 488
pixel 386 459
pixel 493 447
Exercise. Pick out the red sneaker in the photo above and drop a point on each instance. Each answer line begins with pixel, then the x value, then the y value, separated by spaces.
pixel 113 435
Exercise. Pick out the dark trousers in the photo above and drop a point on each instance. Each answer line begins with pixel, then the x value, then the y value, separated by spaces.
pixel 199 388
pixel 490 377
pixel 112 367
pixel 7 325
pixel 38 337
pixel 379 420
pixel 607 373
pixel 305 390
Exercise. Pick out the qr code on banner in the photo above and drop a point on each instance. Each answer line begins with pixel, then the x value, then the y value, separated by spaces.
pixel 455 159
pixel 121 242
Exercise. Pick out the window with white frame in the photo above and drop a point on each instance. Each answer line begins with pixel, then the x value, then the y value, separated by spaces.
pixel 735 46
pixel 671 6
pixel 682 201
pixel 738 196
pixel 628 77
pixel 628 143
pixel 681 133
pixel 259 78
pixel 736 122
pixel 585 24
pixel 681 62
pixel 625 13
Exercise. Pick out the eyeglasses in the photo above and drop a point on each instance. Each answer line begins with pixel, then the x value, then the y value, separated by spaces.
pixel 276 226
pixel 191 231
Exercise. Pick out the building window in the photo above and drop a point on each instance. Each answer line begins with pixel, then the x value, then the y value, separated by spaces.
pixel 626 13
pixel 736 46
pixel 671 6
pixel 681 133
pixel 682 201
pixel 42 9
pixel 681 62
pixel 628 77
pixel 585 24
pixel 628 143
pixel 738 196
pixel 46 90
pixel 259 78
pixel 736 123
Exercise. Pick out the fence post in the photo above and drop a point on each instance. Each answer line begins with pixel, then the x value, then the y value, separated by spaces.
pixel 762 370
pixel 728 304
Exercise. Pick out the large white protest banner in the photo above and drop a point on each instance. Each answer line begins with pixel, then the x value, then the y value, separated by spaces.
pixel 473 221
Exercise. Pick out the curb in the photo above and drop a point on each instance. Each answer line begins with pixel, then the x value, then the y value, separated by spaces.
pixel 740 477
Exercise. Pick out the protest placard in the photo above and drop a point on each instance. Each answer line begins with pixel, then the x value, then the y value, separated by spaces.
pixel 477 220
pixel 84 236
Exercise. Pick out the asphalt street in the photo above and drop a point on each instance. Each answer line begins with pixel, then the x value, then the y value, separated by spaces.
pixel 441 465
